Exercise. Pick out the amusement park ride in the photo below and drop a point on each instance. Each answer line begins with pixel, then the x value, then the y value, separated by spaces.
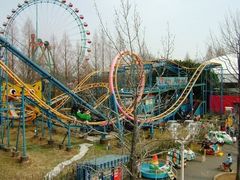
pixel 157 90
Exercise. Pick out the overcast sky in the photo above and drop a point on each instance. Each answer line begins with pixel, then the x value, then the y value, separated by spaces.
pixel 190 20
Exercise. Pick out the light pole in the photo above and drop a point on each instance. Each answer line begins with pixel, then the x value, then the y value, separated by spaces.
pixel 183 134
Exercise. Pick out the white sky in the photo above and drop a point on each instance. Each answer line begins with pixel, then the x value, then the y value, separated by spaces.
pixel 190 20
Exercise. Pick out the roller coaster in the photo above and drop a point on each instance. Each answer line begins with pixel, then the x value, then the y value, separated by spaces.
pixel 183 85
pixel 33 105
pixel 150 92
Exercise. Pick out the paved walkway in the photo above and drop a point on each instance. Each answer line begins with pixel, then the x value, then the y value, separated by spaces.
pixel 82 151
pixel 198 170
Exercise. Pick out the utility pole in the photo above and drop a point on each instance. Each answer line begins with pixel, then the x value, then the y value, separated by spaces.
pixel 238 138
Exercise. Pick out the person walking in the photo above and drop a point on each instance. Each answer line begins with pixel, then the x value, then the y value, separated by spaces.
pixel 139 168
pixel 228 162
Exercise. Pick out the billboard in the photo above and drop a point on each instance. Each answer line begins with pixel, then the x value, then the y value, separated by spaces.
pixel 171 81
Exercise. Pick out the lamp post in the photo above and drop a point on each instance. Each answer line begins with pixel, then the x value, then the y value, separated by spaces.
pixel 183 134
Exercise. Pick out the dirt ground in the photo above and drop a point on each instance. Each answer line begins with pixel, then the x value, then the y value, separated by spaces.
pixel 228 176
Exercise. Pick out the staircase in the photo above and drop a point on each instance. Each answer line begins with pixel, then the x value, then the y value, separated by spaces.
pixel 171 175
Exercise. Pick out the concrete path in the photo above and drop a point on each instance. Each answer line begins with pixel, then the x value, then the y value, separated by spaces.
pixel 83 150
pixel 198 170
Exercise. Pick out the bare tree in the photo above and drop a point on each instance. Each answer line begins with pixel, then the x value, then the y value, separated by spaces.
pixel 67 56
pixel 13 36
pixel 25 72
pixel 102 51
pixel 54 46
pixel 210 54
pixel 229 41
pixel 168 44
pixel 130 35
pixel 120 41
pixel 187 57
pixel 95 50
pixel 78 61
pixel 103 42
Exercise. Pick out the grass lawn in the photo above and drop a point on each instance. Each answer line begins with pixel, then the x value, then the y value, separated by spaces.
pixel 44 157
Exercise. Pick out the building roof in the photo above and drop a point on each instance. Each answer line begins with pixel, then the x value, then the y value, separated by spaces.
pixel 106 162
pixel 230 67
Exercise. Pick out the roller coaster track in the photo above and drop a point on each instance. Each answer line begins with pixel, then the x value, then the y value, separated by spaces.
pixel 114 85
pixel 170 61
pixel 48 76
pixel 31 112
pixel 34 98
pixel 28 90
pixel 64 98
pixel 184 94
pixel 181 66
pixel 173 108
pixel 102 98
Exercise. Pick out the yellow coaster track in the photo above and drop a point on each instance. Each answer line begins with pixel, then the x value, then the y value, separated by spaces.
pixel 65 119
pixel 174 107
pixel 185 92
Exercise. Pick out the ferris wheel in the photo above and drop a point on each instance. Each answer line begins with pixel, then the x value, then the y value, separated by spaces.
pixel 48 22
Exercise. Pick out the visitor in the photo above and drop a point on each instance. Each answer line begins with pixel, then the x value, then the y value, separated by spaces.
pixel 228 162
pixel 214 139
pixel 139 168
pixel 227 129
pixel 223 127
pixel 205 146
pixel 74 109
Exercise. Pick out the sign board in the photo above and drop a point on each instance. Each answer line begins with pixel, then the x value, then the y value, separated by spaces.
pixel 172 81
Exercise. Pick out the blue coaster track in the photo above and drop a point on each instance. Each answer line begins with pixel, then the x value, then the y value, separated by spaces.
pixel 48 76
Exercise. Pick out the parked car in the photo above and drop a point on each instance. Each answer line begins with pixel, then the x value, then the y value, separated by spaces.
pixel 174 156
pixel 226 137
pixel 215 137
pixel 220 137
pixel 189 154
